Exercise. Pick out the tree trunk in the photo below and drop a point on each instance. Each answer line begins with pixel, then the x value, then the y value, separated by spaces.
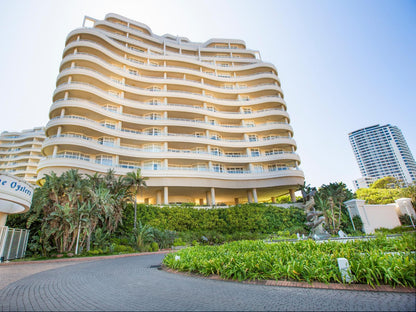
pixel 135 208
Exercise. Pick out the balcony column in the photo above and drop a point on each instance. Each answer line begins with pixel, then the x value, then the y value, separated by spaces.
pixel 165 196
pixel 292 195
pixel 165 130
pixel 165 146
pixel 66 95
pixel 273 200
pixel 213 196
pixel 209 149
pixel 69 79
pixel 119 125
pixel 208 198
pixel 255 195
pixel 249 196
pixel 58 133
pixel 165 115
pixel 72 64
pixel 166 164
pixel 120 109
pixel 118 142
pixel 55 151
pixel 210 166
pixel 207 133
pixel 158 197
pixel 117 160
pixel 62 112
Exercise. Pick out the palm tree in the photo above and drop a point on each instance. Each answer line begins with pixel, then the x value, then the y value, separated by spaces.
pixel 136 180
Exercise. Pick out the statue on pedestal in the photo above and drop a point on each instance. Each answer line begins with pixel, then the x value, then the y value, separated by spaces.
pixel 315 219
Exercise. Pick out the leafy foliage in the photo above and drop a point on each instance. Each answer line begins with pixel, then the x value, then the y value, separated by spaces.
pixel 374 262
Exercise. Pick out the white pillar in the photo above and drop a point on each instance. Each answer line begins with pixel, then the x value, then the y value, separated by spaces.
pixel 165 196
pixel 213 196
pixel 208 197
pixel 158 197
pixel 3 218
pixel 292 196
pixel 255 195
pixel 249 196
pixel 55 151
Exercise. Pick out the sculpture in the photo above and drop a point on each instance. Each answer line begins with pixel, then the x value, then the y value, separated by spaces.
pixel 315 219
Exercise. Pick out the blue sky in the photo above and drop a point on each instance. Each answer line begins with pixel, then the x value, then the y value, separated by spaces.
pixel 344 65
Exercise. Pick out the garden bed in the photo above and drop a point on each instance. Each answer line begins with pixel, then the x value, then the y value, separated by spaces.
pixel 378 261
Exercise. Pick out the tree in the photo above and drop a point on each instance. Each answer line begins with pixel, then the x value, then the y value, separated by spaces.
pixel 136 180
pixel 330 196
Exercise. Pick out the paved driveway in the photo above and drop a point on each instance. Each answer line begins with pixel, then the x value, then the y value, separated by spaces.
pixel 130 284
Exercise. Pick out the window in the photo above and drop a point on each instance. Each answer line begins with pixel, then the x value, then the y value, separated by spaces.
pixel 247 110
pixel 133 72
pixel 252 137
pixel 244 98
pixel 249 123
pixel 255 152
pixel 211 108
pixel 154 64
pixel 152 131
pixel 152 147
pixel 273 152
pixel 154 102
pixel 108 124
pixel 154 88
pixel 199 134
pixel 217 168
pixel 235 170
pixel 136 49
pixel 114 93
pixel 110 108
pixel 258 168
pixel 215 137
pixel 153 165
pixel 153 116
pixel 224 75
pixel 106 141
pixel 104 160
pixel 216 151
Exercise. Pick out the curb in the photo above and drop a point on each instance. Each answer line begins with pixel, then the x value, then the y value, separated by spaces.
pixel 315 285
pixel 85 259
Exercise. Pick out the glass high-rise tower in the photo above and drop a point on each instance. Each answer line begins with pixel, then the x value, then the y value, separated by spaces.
pixel 382 151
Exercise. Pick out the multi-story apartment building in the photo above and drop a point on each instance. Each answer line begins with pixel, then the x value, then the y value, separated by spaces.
pixel 382 151
pixel 206 122
pixel 20 153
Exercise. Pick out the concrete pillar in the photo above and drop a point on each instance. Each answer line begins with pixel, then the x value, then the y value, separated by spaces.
pixel 3 218
pixel 249 196
pixel 117 160
pixel 213 203
pixel 158 197
pixel 58 133
pixel 208 197
pixel 292 196
pixel 55 151
pixel 273 200
pixel 62 112
pixel 255 195
pixel 165 196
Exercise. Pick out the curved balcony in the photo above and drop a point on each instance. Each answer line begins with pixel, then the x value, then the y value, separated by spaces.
pixel 161 107
pixel 82 86
pixel 88 164
pixel 81 56
pixel 78 121
pixel 182 69
pixel 88 143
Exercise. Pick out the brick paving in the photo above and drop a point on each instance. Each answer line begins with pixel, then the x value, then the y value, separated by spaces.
pixel 129 284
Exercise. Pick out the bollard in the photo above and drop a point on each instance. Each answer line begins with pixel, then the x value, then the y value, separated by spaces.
pixel 345 270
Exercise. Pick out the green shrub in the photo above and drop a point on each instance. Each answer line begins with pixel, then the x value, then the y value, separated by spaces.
pixel 179 242
pixel 374 262
pixel 154 246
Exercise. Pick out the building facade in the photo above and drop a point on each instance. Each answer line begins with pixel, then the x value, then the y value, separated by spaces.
pixel 206 122
pixel 382 151
pixel 20 153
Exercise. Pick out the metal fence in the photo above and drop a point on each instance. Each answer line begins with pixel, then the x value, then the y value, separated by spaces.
pixel 13 243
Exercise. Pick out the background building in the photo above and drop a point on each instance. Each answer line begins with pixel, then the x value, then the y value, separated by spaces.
pixel 20 153
pixel 382 151
pixel 206 122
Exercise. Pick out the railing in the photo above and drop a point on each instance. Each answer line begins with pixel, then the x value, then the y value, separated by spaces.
pixel 173 151
pixel 13 243
pixel 160 168
pixel 182 67
pixel 201 122
pixel 200 83
pixel 176 105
